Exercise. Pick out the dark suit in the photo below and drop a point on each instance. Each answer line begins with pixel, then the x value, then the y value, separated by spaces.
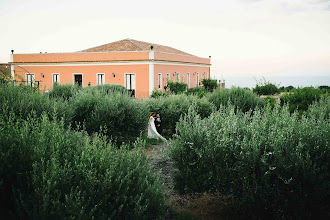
pixel 158 124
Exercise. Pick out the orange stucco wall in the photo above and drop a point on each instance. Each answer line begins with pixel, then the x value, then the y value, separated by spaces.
pixel 79 57
pixel 119 63
pixel 89 75
pixel 182 70
pixel 181 58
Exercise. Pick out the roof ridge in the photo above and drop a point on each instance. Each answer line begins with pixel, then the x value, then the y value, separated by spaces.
pixel 105 44
pixel 164 46
pixel 136 44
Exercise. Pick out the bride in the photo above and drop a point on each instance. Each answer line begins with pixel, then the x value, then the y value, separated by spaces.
pixel 152 131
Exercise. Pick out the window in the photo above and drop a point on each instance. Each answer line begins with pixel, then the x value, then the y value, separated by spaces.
pixel 56 78
pixel 78 79
pixel 188 80
pixel 30 80
pixel 183 79
pixel 197 79
pixel 167 78
pixel 100 79
pixel 130 83
pixel 159 81
pixel 178 77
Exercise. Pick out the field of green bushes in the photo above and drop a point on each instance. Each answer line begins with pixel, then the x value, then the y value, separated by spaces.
pixel 79 153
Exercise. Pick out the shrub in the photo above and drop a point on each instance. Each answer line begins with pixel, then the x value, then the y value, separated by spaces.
pixel 65 91
pixel 5 75
pixel 198 91
pixel 47 172
pixel 320 109
pixel 24 100
pixel 108 89
pixel 176 87
pixel 241 98
pixel 300 98
pixel 157 93
pixel 122 117
pixel 266 88
pixel 210 84
pixel 173 107
pixel 271 101
pixel 274 163
pixel 286 89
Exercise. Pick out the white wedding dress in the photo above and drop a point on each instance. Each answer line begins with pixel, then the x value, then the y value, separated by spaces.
pixel 152 131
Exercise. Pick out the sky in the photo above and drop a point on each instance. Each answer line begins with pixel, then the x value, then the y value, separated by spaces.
pixel 286 42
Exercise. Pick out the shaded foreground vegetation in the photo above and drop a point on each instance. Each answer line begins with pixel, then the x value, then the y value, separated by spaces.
pixel 78 153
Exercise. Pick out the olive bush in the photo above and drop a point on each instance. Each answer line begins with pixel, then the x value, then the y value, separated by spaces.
pixel 48 172
pixel 241 98
pixel 300 98
pixel 65 91
pixel 274 163
pixel 24 100
pixel 121 117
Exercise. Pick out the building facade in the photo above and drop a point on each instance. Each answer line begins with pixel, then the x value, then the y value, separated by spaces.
pixel 139 66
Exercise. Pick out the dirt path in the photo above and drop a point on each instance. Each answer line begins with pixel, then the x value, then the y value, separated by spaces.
pixel 161 163
pixel 189 206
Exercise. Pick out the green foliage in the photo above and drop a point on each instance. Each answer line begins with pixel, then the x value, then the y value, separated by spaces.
pixel 274 163
pixel 173 107
pixel 176 87
pixel 300 98
pixel 5 75
pixel 108 89
pixel 286 89
pixel 243 99
pixel 47 172
pixel 24 100
pixel 210 84
pixel 266 88
pixel 271 101
pixel 325 88
pixel 198 91
pixel 120 116
pixel 157 93
pixel 65 91
pixel 320 109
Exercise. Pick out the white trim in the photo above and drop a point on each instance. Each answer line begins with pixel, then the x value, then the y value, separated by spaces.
pixel 197 79
pixel 160 82
pixel 26 78
pixel 82 78
pixel 168 78
pixel 125 74
pixel 151 55
pixel 97 78
pixel 114 63
pixel 59 78
pixel 84 52
pixel 12 71
pixel 151 78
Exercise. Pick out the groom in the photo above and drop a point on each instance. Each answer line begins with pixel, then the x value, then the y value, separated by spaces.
pixel 158 124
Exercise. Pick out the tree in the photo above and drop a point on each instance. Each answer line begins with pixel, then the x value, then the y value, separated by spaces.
pixel 210 84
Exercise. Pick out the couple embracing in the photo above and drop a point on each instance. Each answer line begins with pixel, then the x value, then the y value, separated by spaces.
pixel 152 130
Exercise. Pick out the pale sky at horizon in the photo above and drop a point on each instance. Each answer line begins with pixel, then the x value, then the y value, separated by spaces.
pixel 248 38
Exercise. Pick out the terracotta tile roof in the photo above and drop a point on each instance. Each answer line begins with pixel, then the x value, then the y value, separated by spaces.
pixel 134 45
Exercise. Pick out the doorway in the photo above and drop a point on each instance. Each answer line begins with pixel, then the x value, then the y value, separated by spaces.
pixel 77 79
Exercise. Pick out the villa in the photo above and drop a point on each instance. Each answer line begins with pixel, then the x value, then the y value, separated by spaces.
pixel 139 66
